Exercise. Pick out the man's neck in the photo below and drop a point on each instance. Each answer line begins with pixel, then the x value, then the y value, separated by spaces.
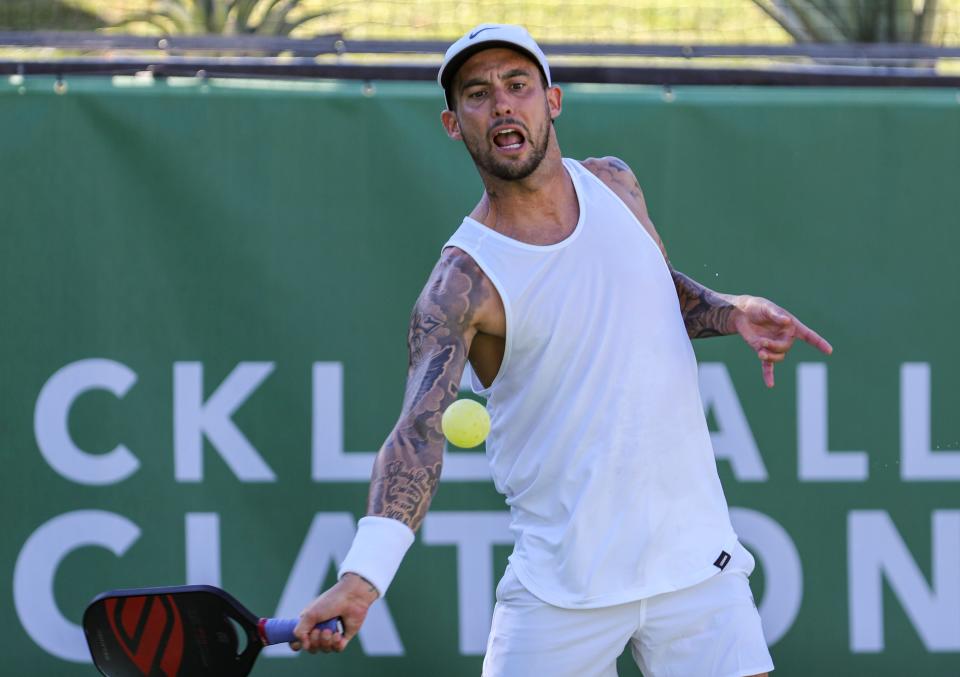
pixel 540 209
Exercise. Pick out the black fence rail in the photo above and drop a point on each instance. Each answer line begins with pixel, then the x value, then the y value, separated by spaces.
pixel 337 44
pixel 846 65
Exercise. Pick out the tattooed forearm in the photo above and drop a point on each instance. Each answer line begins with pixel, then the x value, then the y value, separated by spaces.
pixel 403 491
pixel 407 469
pixel 705 312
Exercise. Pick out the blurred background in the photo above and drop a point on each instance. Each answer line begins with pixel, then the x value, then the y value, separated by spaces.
pixel 935 22
pixel 392 29
pixel 216 215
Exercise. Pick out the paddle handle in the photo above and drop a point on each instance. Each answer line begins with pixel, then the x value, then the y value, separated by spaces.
pixel 280 630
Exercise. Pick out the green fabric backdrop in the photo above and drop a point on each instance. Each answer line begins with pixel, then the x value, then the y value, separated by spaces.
pixel 197 226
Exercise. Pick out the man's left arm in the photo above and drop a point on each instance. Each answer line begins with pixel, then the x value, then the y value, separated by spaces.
pixel 766 327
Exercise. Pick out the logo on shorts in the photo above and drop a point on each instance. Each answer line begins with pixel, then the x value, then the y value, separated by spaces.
pixel 723 560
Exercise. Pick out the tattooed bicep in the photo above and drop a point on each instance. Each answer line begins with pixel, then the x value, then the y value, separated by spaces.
pixel 442 323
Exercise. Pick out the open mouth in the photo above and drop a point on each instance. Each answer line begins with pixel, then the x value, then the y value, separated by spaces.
pixel 508 138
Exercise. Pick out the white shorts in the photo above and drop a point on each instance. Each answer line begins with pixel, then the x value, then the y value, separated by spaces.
pixel 711 629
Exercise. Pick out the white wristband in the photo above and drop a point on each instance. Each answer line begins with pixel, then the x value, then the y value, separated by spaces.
pixel 377 551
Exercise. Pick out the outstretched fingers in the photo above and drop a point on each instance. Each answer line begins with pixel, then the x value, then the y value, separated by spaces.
pixel 813 338
pixel 770 331
pixel 768 373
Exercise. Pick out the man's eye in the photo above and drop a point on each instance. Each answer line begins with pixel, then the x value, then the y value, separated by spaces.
pixel 518 85
pixel 477 94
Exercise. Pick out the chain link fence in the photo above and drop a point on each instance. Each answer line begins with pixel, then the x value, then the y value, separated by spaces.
pixel 767 42
pixel 575 21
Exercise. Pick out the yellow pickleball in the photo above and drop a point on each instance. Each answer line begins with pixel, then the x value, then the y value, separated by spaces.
pixel 465 423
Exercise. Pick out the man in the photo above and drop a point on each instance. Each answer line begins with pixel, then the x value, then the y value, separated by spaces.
pixel 558 290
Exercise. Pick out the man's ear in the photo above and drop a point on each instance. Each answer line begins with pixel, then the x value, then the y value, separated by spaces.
pixel 451 125
pixel 554 101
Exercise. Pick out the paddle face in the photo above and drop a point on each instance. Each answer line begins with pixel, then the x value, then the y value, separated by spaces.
pixel 180 631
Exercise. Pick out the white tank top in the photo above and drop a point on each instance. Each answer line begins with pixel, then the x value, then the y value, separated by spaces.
pixel 598 437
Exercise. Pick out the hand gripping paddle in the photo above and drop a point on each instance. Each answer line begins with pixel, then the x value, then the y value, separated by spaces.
pixel 180 631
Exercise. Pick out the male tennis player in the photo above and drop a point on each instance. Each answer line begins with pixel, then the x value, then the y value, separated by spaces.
pixel 559 292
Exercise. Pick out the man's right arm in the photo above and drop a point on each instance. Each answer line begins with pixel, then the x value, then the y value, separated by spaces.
pixel 407 468
pixel 442 326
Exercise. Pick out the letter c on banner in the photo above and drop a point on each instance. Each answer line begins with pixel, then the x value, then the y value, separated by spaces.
pixel 36 569
pixel 53 410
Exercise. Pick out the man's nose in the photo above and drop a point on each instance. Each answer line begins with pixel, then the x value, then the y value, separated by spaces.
pixel 501 102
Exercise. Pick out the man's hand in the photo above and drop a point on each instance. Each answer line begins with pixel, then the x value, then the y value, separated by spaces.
pixel 349 599
pixel 770 330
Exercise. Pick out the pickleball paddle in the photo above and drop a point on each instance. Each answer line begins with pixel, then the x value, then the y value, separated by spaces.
pixel 180 631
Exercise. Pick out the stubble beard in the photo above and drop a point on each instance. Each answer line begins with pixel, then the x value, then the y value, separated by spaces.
pixel 487 160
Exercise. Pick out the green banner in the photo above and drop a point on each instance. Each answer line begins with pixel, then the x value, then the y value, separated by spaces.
pixel 206 289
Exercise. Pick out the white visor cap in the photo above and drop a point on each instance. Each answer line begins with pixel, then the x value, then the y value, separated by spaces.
pixel 487 36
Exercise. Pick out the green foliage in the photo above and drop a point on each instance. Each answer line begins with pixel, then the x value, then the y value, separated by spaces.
pixel 38 15
pixel 224 17
pixel 854 20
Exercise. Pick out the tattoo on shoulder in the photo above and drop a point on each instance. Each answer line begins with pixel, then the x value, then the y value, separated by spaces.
pixel 705 313
pixel 618 164
pixel 407 469
pixel 614 170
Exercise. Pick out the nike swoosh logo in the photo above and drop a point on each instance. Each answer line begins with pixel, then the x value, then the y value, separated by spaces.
pixel 476 33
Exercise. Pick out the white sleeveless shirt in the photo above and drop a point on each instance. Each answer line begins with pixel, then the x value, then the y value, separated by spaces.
pixel 598 437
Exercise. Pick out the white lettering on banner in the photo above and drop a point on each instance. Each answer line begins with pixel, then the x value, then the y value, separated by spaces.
pixel 329 461
pixel 474 533
pixel 325 546
pixel 782 570
pixel 193 418
pixel 36 569
pixel 203 548
pixel 51 416
pixel 816 462
pixel 876 552
pixel 918 462
pixel 734 441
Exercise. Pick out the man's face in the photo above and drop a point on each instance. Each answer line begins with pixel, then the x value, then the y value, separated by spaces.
pixel 503 114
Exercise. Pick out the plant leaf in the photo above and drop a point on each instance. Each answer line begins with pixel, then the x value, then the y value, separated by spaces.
pixel 289 26
pixel 785 16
